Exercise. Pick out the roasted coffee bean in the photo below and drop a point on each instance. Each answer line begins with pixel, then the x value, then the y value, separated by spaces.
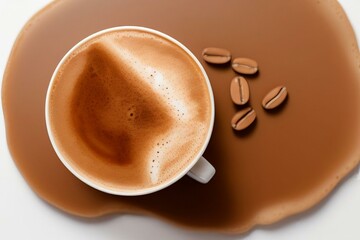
pixel 216 55
pixel 275 97
pixel 239 90
pixel 244 66
pixel 243 119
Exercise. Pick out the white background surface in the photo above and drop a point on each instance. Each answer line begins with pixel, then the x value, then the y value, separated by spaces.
pixel 23 215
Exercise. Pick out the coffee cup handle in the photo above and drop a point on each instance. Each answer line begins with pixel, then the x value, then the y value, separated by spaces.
pixel 202 171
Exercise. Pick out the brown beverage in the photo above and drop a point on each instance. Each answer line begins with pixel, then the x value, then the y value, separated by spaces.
pixel 129 110
pixel 284 163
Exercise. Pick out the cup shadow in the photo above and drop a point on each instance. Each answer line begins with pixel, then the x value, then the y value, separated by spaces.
pixel 308 214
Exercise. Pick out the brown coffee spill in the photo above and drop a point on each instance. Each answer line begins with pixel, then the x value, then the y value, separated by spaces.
pixel 262 176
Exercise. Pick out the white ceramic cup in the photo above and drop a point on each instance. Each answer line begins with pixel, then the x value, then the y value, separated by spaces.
pixel 199 168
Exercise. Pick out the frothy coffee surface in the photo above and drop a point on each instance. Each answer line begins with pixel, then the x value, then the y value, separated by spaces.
pixel 130 109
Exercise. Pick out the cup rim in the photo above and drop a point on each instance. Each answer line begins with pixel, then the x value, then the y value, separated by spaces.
pixel 143 191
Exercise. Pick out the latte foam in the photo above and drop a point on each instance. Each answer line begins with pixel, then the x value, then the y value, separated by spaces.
pixel 130 110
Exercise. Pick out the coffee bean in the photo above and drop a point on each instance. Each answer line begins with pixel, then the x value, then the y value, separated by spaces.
pixel 243 119
pixel 239 90
pixel 216 55
pixel 275 97
pixel 244 66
